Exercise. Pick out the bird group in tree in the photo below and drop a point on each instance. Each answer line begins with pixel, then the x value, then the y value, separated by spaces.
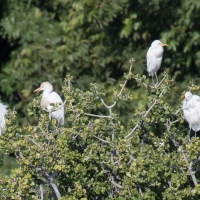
pixel 52 102
pixel 191 103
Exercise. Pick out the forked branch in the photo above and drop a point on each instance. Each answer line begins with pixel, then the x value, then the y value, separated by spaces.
pixel 137 125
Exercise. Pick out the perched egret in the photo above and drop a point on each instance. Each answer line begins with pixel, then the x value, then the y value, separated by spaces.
pixel 3 112
pixel 48 97
pixel 191 111
pixel 154 58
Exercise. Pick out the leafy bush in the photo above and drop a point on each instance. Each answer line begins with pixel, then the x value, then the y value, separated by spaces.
pixel 95 156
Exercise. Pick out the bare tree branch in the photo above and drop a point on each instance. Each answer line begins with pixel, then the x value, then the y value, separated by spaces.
pixel 87 157
pixel 130 69
pixel 177 111
pixel 55 109
pixel 140 190
pixel 41 130
pixel 141 82
pixel 34 142
pixel 116 184
pixel 55 191
pixel 137 125
pixel 111 106
pixel 100 116
pixel 191 172
pixel 41 193
pixel 69 81
pixel 162 80
pixel 105 141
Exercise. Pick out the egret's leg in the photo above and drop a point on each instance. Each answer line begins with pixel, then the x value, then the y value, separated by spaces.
pixel 189 133
pixel 58 122
pixel 50 116
pixel 152 80
pixel 156 77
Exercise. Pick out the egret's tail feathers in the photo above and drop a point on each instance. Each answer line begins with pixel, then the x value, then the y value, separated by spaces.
pixel 195 127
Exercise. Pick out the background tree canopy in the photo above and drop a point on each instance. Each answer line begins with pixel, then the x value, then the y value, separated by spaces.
pixel 93 41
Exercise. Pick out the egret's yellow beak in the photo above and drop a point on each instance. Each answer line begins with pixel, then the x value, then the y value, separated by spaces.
pixel 164 45
pixel 37 90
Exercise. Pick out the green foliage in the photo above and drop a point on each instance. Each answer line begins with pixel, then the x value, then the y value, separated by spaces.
pixel 95 156
pixel 123 138
pixel 7 164
pixel 92 40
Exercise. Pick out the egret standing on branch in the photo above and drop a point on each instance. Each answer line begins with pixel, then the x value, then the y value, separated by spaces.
pixel 154 58
pixel 48 97
pixel 3 112
pixel 191 111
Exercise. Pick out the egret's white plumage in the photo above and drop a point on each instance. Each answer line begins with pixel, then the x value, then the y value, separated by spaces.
pixel 191 111
pixel 3 112
pixel 48 97
pixel 154 58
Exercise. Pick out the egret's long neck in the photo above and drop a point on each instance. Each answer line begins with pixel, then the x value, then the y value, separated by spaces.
pixel 45 98
pixel 190 103
pixel 158 51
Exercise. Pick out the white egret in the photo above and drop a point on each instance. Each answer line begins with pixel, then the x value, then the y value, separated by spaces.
pixel 48 97
pixel 191 111
pixel 154 58
pixel 3 112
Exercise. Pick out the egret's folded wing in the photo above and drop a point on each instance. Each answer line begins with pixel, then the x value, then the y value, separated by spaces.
pixel 196 97
pixel 59 114
pixel 55 98
pixel 196 100
pixel 149 57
